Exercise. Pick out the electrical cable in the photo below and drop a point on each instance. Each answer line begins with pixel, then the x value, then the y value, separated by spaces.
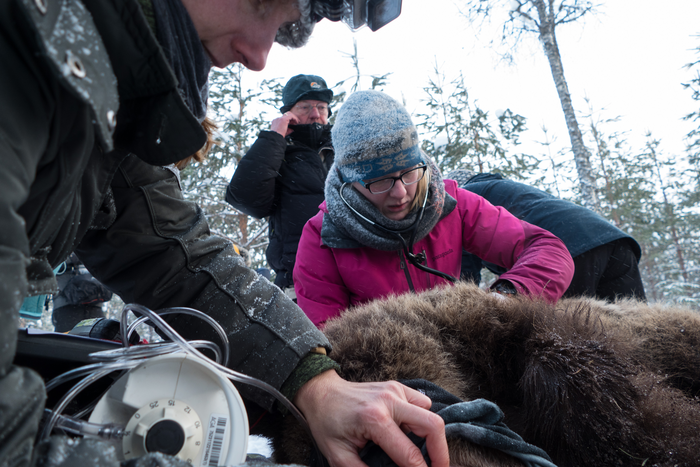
pixel 187 311
pixel 129 357
pixel 104 370
pixel 82 427
pixel 153 350
pixel 185 345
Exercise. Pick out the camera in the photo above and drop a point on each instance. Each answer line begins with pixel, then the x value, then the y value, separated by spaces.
pixel 356 13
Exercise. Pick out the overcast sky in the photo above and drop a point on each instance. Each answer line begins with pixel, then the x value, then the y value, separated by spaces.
pixel 627 59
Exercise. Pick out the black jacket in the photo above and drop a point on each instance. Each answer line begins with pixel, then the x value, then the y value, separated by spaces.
pixel 579 228
pixel 59 154
pixel 283 179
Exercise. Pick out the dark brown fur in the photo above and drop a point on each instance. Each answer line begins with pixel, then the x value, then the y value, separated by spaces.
pixel 591 383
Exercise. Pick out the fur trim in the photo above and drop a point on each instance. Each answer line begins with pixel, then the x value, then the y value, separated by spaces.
pixel 297 34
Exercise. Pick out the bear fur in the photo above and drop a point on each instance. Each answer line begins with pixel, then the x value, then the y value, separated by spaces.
pixel 591 383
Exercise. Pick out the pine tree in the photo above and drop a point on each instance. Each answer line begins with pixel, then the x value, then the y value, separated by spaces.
pixel 239 113
pixel 542 18
pixel 692 193
pixel 459 134
pixel 640 195
pixel 376 82
pixel 556 177
pixel 627 191
pixel 681 250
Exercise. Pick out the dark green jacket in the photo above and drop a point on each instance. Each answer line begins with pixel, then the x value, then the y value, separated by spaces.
pixel 71 180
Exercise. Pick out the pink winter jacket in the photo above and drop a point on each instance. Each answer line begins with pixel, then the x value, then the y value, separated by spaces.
pixel 329 280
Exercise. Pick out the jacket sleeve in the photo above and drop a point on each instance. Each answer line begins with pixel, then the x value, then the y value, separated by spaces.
pixel 25 114
pixel 538 263
pixel 159 253
pixel 252 187
pixel 319 287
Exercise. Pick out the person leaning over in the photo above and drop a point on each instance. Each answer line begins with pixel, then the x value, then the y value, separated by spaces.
pixel 605 258
pixel 99 99
pixel 391 225
pixel 283 174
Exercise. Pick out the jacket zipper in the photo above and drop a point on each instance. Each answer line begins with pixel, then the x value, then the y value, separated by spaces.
pixel 404 266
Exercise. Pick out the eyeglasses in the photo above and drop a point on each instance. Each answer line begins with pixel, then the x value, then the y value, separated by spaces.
pixel 385 184
pixel 305 109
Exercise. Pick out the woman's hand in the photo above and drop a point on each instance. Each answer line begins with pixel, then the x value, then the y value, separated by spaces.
pixel 344 416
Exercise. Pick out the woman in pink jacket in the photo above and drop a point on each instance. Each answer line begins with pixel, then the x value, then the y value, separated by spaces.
pixel 391 225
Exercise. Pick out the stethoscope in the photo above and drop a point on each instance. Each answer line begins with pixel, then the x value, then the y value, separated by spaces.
pixel 415 260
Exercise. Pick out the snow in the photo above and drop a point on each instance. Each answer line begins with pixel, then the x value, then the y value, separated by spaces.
pixel 259 445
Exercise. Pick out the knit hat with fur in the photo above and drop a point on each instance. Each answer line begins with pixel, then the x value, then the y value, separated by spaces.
pixel 376 137
pixel 373 136
pixel 297 34
pixel 461 176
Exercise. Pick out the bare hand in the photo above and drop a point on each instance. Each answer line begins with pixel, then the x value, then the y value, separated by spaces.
pixel 281 124
pixel 344 416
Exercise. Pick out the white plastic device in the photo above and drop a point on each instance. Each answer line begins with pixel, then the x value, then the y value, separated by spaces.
pixel 177 404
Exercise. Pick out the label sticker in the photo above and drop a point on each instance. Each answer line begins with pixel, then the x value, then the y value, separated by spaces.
pixel 214 443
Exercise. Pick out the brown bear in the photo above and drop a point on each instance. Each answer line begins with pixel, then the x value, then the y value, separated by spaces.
pixel 591 383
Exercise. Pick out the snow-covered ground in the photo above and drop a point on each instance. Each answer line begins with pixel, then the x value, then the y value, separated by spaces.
pixel 259 445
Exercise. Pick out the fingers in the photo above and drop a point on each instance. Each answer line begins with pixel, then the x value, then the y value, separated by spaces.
pixel 281 124
pixel 293 119
pixel 417 398
pixel 343 416
pixel 401 449
pixel 379 426
pixel 427 425
pixel 404 410
pixel 410 414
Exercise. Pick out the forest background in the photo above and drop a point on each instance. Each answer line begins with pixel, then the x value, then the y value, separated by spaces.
pixel 510 87
pixel 524 115
pixel 646 186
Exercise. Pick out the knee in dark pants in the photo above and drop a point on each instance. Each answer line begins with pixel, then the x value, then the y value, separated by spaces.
pixel 21 407
pixel 590 266
pixel 621 278
pixel 607 272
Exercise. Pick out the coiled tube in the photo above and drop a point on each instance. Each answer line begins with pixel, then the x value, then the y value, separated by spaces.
pixel 131 356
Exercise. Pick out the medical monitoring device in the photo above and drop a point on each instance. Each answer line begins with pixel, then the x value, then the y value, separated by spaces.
pixel 165 397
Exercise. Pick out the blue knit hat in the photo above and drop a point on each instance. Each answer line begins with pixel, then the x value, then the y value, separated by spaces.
pixel 373 136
